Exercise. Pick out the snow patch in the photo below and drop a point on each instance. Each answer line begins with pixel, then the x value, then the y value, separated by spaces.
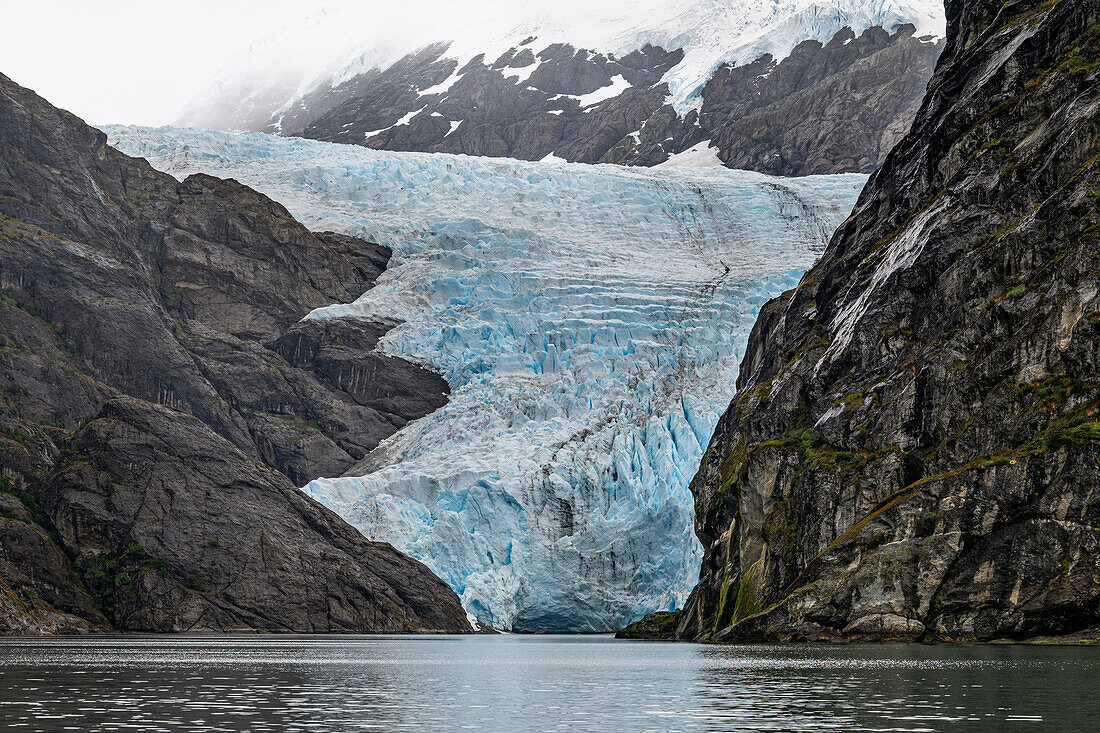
pixel 614 88
pixel 521 74
pixel 443 86
pixel 700 155
pixel 406 118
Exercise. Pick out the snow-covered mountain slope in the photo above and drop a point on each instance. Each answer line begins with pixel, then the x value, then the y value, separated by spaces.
pixel 620 81
pixel 362 36
pixel 589 319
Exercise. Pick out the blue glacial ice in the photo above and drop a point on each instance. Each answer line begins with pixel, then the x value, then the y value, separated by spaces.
pixel 590 321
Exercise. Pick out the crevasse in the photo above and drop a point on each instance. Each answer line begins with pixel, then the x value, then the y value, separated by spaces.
pixel 589 319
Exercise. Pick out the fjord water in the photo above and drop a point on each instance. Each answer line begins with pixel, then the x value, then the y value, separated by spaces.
pixel 575 683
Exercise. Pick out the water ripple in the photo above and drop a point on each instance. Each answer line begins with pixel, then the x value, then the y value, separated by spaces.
pixel 510 683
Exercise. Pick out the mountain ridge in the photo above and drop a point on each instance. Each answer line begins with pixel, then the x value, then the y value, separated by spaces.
pixel 772 87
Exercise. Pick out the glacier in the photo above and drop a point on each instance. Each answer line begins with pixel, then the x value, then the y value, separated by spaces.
pixel 590 321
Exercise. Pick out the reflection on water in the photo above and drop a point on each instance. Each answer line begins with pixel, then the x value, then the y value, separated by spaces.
pixel 510 683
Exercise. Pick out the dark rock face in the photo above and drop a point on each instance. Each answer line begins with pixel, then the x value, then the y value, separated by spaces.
pixel 179 530
pixel 837 108
pixel 171 311
pixel 824 109
pixel 502 110
pixel 915 448
pixel 40 592
pixel 188 294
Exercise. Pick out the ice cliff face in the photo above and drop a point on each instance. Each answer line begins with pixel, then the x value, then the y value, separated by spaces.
pixel 589 320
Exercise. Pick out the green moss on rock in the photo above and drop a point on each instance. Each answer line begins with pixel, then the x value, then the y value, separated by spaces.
pixel 659 625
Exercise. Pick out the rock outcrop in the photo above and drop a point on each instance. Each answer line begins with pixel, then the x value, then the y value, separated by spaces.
pixel 163 398
pixel 914 451
pixel 832 108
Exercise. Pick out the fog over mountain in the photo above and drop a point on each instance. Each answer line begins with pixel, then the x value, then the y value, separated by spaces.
pixel 336 40
pixel 131 60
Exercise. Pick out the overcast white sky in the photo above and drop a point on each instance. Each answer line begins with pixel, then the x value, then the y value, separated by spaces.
pixel 143 61
pixel 130 61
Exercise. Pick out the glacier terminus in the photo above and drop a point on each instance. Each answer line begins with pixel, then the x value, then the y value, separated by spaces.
pixel 589 320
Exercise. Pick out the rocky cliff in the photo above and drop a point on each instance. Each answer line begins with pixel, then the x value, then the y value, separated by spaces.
pixel 832 108
pixel 914 451
pixel 162 400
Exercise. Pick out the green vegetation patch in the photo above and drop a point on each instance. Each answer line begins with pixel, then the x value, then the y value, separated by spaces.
pixel 747 603
pixel 853 400
pixel 721 617
pixel 798 435
pixel 1077 428
pixel 1078 435
pixel 29 500
pixel 754 398
pixel 1083 58
pixel 1051 393
pixel 1011 294
pixel 108 576
pixel 15 433
pixel 780 530
pixel 845 461
pixel 732 468
pixel 658 625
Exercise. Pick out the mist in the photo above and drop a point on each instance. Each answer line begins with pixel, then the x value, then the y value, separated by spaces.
pixel 141 62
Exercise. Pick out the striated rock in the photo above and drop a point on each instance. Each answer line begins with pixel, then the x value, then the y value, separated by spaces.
pixel 39 590
pixel 124 289
pixel 178 293
pixel 915 447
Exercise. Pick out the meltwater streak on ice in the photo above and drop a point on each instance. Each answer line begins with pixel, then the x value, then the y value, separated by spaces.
pixel 589 319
